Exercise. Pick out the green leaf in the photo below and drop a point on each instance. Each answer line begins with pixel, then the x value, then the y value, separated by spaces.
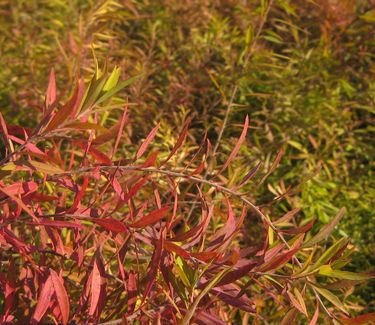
pixel 113 79
pixel 116 89
pixel 331 298
pixel 181 272
pixel 191 310
pixel 330 252
pixel 346 275
pixel 44 168
pixel 369 16
pixel 92 93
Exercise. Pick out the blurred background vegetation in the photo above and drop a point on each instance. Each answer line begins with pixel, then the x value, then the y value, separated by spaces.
pixel 302 70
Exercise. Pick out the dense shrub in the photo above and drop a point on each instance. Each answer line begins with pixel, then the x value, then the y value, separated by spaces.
pixel 91 234
pixel 302 72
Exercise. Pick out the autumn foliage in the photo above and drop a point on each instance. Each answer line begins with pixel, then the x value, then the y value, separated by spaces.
pixel 90 235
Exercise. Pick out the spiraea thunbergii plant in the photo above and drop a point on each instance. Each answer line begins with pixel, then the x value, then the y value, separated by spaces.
pixel 94 229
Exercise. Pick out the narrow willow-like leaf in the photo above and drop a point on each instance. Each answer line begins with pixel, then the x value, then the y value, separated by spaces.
pixel 345 275
pixel 192 309
pixel 113 79
pixel 332 298
pixel 150 218
pixel 326 230
pixel 113 91
pixel 330 252
pixel 62 296
pixel 43 301
pixel 237 147
pixel 147 141
pixel 51 90
pixel 110 224
pixel 316 315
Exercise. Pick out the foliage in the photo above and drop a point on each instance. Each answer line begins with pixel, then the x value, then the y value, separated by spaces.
pixel 88 236
pixel 302 71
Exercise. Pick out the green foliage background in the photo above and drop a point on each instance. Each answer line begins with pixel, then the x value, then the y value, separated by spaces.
pixel 308 87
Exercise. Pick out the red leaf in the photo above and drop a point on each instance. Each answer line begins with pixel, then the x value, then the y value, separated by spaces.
pixel 147 141
pixel 67 110
pixel 190 233
pixel 153 267
pixel 203 317
pixel 109 134
pixel 111 224
pixel 117 187
pixel 10 288
pixel 221 238
pixel 132 291
pixel 326 230
pixel 39 197
pixel 150 160
pixel 204 256
pixel 51 90
pixel 133 191
pixel 361 319
pixel 12 239
pixel 199 169
pixel 100 156
pixel 19 130
pixel 20 188
pixel 250 174
pixel 4 131
pixel 230 296
pixel 287 216
pixel 96 154
pixel 79 196
pixel 121 128
pixel 57 224
pixel 43 301
pixel 19 202
pixel 238 144
pixel 274 165
pixel 243 268
pixel 170 247
pixel 62 296
pixel 298 230
pixel 282 258
pixel 180 141
pixel 151 218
